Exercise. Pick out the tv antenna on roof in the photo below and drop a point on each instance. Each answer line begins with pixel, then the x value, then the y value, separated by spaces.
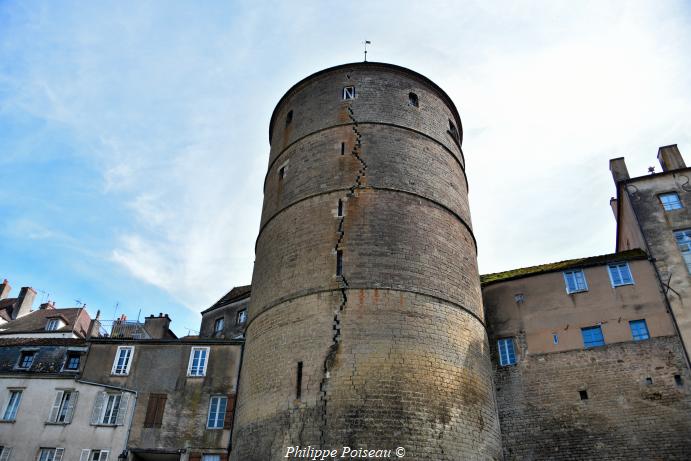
pixel 366 42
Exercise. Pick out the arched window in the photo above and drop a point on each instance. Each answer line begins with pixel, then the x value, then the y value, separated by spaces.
pixel 413 100
pixel 289 117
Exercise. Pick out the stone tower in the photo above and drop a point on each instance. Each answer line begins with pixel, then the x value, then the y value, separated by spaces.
pixel 365 325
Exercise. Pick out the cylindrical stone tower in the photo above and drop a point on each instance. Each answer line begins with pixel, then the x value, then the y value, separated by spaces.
pixel 366 327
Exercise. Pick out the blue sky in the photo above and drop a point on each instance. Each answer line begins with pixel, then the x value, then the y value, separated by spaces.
pixel 134 135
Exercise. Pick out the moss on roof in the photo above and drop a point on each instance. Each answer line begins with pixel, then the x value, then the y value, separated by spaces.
pixel 628 255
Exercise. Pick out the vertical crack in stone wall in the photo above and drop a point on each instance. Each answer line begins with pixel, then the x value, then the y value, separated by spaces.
pixel 343 281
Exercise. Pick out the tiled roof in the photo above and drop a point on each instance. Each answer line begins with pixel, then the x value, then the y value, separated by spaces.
pixel 628 255
pixel 235 294
pixel 50 354
pixel 76 319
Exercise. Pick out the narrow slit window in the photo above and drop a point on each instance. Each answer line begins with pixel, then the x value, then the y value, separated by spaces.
pixel 348 92
pixel 555 339
pixel 413 99
pixel 342 148
pixel 289 118
pixel 340 208
pixel 678 381
pixel 583 395
pixel 282 172
pixel 339 262
pixel 298 384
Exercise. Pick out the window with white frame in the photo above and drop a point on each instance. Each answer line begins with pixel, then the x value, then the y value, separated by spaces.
pixel 110 409
pixel 217 412
pixel 5 453
pixel 670 201
pixel 72 361
pixel 575 281
pixel 52 325
pixel 94 455
pixel 63 406
pixel 349 92
pixel 50 454
pixel 12 406
pixel 123 360
pixel 507 354
pixel 684 241
pixel 199 357
pixel 620 274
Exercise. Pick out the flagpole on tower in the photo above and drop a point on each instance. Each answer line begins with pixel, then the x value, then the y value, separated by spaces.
pixel 367 42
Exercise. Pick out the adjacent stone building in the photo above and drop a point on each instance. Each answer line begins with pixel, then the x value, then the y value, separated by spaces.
pixel 227 318
pixel 588 363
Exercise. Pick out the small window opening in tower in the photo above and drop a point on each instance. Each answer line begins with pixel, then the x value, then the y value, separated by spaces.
pixel 649 380
pixel 298 383
pixel 583 394
pixel 339 262
pixel 340 208
pixel 282 172
pixel 289 117
pixel 342 148
pixel 452 129
pixel 412 99
pixel 349 92
pixel 678 381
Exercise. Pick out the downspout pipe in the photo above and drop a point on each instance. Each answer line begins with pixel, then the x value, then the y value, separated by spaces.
pixel 237 392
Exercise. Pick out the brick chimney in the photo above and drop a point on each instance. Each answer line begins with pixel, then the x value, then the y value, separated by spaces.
pixel 618 168
pixel 157 327
pixel 670 158
pixel 5 289
pixel 47 305
pixel 24 302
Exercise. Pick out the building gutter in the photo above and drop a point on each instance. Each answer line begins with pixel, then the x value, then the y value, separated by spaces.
pixel 134 406
pixel 657 274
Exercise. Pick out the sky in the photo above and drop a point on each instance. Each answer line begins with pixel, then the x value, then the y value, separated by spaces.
pixel 134 134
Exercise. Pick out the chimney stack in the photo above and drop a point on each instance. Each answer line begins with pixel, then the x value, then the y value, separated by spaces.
pixel 670 158
pixel 24 302
pixel 47 305
pixel 5 289
pixel 618 168
pixel 157 327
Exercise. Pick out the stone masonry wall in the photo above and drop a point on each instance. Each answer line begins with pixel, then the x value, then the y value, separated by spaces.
pixel 392 351
pixel 625 417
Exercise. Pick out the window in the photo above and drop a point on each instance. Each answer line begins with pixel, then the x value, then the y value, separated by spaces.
pixel 592 336
pixel 93 455
pixel 123 360
pixel 242 317
pixel 110 409
pixel 684 241
pixel 282 172
pixel 63 407
pixel 72 362
pixel 339 211
pixel 583 394
pixel 298 383
pixel 52 325
pixel 198 360
pixel 342 148
pixel 507 355
pixel 413 99
pixel 289 117
pixel 217 412
pixel 12 406
pixel 154 410
pixel 349 92
pixel 218 326
pixel 670 201
pixel 620 274
pixel 26 358
pixel 639 330
pixel 211 457
pixel 452 130
pixel 555 339
pixel 5 453
pixel 575 281
pixel 50 454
